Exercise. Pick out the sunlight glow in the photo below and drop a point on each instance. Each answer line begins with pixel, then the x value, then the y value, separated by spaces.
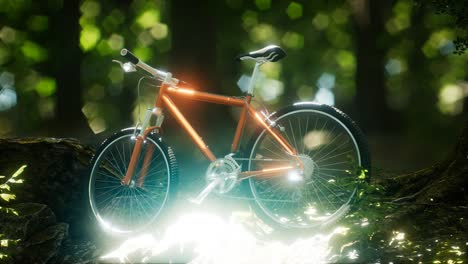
pixel 8 96
pixel 263 33
pixel 316 138
pixel 320 21
pixel 394 66
pixel 34 51
pixel 89 37
pixel 324 94
pixel 293 40
pixel 353 254
pixel 450 98
pixel 398 237
pixel 364 222
pixel 207 238
pixel 439 43
pixel 159 31
pixel 116 42
pixel 263 4
pixel 148 18
pixel 294 10
pixel 270 89
pixel 97 124
pixel 46 87
pixel 8 34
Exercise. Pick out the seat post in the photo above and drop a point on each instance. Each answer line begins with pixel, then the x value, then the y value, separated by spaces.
pixel 253 79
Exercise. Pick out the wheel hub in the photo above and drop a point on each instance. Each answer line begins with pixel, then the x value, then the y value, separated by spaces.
pixel 309 166
pixel 132 184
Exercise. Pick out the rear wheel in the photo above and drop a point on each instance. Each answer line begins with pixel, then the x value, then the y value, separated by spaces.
pixel 125 209
pixel 333 152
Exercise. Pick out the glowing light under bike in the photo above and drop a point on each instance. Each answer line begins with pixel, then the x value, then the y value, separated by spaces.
pixel 208 238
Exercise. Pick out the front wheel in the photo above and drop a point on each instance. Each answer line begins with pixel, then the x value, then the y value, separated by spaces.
pixel 125 209
pixel 333 153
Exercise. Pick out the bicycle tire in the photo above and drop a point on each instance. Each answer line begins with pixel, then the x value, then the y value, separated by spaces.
pixel 128 209
pixel 300 202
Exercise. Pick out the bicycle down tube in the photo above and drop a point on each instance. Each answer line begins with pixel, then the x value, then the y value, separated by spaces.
pixel 164 101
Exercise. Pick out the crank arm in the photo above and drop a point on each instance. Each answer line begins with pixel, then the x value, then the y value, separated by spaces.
pixel 201 197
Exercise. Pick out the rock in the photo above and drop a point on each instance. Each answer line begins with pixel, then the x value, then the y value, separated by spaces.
pixel 75 251
pixel 56 174
pixel 43 246
pixel 40 236
pixel 32 217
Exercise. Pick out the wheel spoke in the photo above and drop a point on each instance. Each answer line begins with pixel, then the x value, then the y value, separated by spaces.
pixel 128 208
pixel 317 198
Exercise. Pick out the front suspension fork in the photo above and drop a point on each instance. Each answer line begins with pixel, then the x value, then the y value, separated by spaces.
pixel 140 140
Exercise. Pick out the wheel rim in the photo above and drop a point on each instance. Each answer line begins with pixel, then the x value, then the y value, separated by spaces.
pixel 124 209
pixel 309 200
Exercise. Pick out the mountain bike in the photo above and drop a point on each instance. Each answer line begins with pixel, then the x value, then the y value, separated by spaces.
pixel 302 166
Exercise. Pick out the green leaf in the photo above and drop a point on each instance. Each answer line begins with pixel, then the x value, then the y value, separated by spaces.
pixel 19 171
pixel 16 181
pixel 4 243
pixel 11 211
pixel 5 186
pixel 7 197
pixel 1 176
pixel 362 175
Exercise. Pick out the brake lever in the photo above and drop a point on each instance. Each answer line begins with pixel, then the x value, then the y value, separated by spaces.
pixel 127 66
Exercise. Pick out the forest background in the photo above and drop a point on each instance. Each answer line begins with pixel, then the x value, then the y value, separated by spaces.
pixel 394 66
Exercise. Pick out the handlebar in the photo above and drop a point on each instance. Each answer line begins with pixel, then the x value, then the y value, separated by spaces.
pixel 129 56
pixel 163 76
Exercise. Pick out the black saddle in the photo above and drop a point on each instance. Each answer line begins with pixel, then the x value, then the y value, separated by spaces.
pixel 269 53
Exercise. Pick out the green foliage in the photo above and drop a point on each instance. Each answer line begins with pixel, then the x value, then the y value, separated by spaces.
pixel 458 10
pixel 6 195
pixel 294 10
pixel 375 236
pixel 416 46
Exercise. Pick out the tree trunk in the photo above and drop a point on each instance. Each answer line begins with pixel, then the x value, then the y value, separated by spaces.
pixel 373 112
pixel 126 100
pixel 445 182
pixel 65 60
pixel 193 54
pixel 193 60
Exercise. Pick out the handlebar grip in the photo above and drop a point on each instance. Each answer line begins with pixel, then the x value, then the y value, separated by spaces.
pixel 129 56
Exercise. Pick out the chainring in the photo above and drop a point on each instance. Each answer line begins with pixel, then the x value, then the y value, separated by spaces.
pixel 226 170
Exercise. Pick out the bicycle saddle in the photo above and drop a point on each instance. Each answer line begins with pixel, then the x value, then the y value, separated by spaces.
pixel 269 53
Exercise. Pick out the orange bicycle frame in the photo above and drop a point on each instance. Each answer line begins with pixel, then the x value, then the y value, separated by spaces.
pixel 164 101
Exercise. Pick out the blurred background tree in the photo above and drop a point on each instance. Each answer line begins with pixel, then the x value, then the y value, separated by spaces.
pixel 391 66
